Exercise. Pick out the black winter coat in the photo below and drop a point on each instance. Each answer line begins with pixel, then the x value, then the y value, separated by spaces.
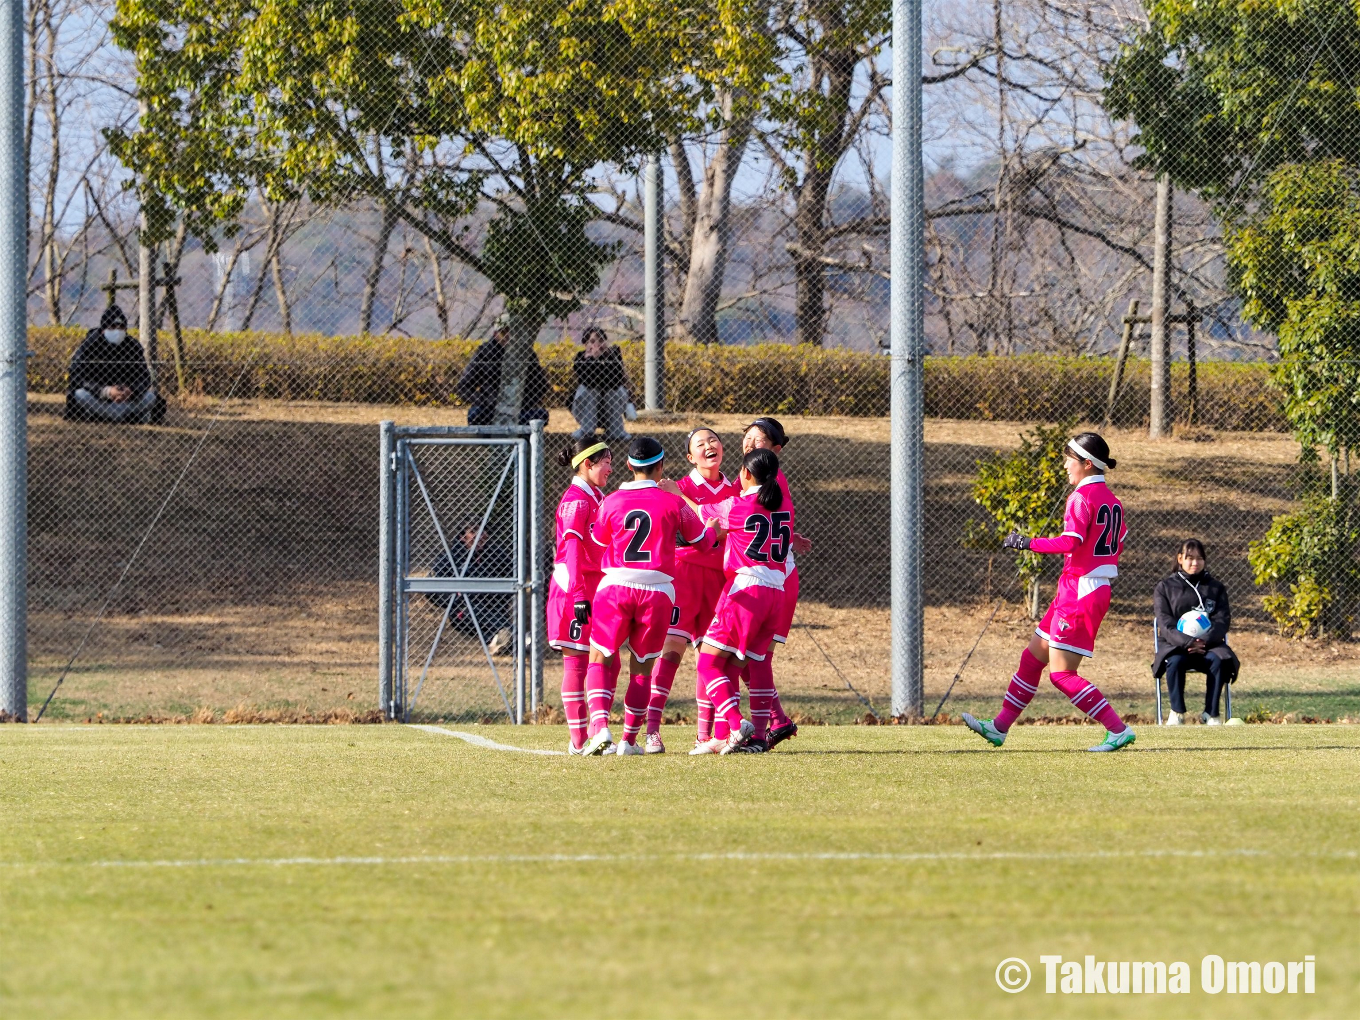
pixel 480 385
pixel 602 373
pixel 1174 596
pixel 98 363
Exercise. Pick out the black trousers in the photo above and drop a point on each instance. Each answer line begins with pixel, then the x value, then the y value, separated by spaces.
pixel 1180 663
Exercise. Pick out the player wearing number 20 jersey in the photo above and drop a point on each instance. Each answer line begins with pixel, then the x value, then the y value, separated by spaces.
pixel 637 529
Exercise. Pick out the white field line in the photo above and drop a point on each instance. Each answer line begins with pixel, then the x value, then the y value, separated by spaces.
pixel 732 856
pixel 477 740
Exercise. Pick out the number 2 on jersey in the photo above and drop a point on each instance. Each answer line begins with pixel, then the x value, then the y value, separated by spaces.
pixel 1110 517
pixel 639 522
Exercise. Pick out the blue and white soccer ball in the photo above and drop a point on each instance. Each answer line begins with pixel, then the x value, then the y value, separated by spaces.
pixel 1195 623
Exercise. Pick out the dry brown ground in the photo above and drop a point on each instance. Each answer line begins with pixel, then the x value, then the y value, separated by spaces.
pixel 258 584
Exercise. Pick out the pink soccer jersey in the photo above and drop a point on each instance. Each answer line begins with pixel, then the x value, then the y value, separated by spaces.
pixel 703 492
pixel 638 528
pixel 1093 530
pixel 578 560
pixel 758 540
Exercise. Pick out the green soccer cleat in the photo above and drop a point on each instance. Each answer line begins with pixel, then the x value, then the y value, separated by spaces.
pixel 1114 741
pixel 984 729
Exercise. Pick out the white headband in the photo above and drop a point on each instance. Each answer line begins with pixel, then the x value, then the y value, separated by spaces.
pixel 1077 448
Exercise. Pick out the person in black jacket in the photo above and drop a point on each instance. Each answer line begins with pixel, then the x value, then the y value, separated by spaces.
pixel 480 385
pixel 1193 587
pixel 601 399
pixel 109 380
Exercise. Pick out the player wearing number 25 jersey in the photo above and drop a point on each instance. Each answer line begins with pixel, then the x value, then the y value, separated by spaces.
pixel 637 530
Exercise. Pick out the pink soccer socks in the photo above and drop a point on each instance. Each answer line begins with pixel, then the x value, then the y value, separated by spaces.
pixel 1088 699
pixel 1021 691
pixel 574 697
pixel 663 676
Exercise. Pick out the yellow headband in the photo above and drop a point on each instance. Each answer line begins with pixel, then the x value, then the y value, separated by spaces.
pixel 587 453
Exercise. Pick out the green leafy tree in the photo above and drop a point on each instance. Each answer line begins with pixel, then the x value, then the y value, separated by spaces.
pixel 509 106
pixel 1308 559
pixel 1021 491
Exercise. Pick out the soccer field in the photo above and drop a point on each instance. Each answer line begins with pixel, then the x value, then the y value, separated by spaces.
pixel 857 871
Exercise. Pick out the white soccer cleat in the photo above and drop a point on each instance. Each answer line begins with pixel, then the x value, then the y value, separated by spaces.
pixel 1209 720
pixel 572 749
pixel 984 729
pixel 739 739
pixel 709 746
pixel 628 747
pixel 1114 741
pixel 1174 719
pixel 654 744
pixel 598 744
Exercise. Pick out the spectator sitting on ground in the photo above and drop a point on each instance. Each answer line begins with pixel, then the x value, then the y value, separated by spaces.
pixel 1192 587
pixel 489 612
pixel 480 385
pixel 108 380
pixel 601 399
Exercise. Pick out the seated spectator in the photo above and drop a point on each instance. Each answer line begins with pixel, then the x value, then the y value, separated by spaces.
pixel 601 399
pixel 1193 587
pixel 480 385
pixel 489 612
pixel 108 380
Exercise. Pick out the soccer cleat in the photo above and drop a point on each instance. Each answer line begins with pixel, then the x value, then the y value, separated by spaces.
pixel 736 741
pixel 781 733
pixel 1174 719
pixel 1114 741
pixel 500 643
pixel 709 746
pixel 1209 720
pixel 598 744
pixel 628 747
pixel 753 746
pixel 654 744
pixel 572 749
pixel 984 729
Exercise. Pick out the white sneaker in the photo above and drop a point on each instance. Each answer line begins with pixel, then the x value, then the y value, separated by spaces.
pixel 709 746
pixel 500 642
pixel 598 744
pixel 1209 720
pixel 628 747
pixel 654 744
pixel 739 739
pixel 1174 719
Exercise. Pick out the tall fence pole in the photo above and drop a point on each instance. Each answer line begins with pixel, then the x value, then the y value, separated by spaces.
pixel 537 588
pixel 654 304
pixel 387 533
pixel 14 390
pixel 1159 411
pixel 908 362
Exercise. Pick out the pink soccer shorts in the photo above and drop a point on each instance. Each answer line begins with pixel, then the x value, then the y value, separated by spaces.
pixel 1071 622
pixel 697 590
pixel 785 624
pixel 745 621
pixel 638 617
pixel 563 630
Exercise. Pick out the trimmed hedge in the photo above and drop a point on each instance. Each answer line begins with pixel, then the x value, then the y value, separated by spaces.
pixel 774 378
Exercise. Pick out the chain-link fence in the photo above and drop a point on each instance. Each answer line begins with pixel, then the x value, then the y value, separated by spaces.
pixel 319 218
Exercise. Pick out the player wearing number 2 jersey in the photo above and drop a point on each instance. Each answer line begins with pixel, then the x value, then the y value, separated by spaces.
pixel 637 530
pixel 575 576
pixel 1091 542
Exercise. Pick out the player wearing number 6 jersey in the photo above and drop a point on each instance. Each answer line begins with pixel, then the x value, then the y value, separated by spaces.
pixel 1091 541
pixel 748 613
pixel 575 576
pixel 637 530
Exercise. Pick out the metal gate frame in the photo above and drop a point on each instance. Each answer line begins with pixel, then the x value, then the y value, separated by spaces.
pixel 396 586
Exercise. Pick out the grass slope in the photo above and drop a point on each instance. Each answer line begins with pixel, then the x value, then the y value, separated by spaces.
pixel 1012 844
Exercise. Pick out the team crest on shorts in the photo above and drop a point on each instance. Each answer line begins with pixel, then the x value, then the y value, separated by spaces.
pixel 1062 625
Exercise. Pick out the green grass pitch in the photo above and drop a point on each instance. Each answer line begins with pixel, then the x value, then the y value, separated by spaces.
pixel 386 871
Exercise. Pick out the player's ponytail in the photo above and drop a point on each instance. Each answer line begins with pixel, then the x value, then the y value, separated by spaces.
pixel 586 449
pixel 1090 446
pixel 763 466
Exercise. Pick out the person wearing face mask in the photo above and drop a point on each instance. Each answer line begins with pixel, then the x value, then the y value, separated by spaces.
pixel 1192 587
pixel 109 380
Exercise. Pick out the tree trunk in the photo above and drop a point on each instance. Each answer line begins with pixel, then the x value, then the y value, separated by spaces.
pixel 385 227
pixel 809 273
pixel 441 303
pixel 712 227
pixel 519 351
pixel 281 293
pixel 1159 412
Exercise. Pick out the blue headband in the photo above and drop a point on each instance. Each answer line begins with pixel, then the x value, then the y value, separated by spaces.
pixel 647 463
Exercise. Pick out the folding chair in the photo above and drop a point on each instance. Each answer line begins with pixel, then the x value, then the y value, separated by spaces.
pixel 1157 682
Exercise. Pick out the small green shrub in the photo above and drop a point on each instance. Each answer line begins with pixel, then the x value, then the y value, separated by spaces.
pixel 1307 558
pixel 1021 490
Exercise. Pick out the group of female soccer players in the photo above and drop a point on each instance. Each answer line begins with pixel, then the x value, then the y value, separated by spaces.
pixel 658 565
